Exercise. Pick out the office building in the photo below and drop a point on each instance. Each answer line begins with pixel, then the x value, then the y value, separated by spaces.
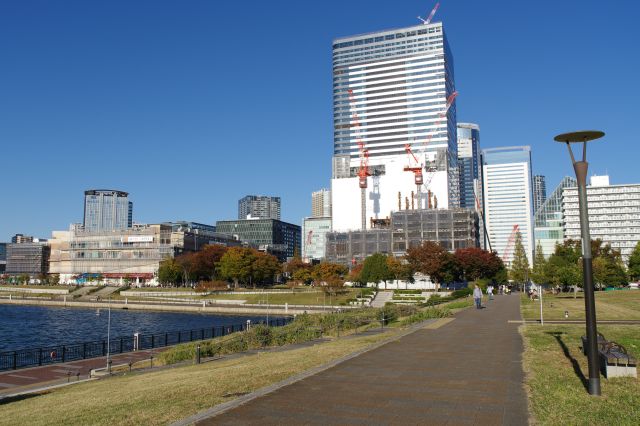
pixel 390 89
pixel 539 192
pixel 30 258
pixel 451 228
pixel 314 234
pixel 507 197
pixel 107 210
pixel 273 236
pixel 614 214
pixel 3 257
pixel 469 163
pixel 321 203
pixel 259 207
pixel 548 221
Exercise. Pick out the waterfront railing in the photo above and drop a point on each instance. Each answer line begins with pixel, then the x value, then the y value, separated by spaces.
pixel 23 358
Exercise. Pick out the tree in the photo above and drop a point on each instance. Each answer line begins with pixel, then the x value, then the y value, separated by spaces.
pixel 539 265
pixel 608 272
pixel 24 278
pixel 634 263
pixel 520 264
pixel 400 269
pixel 476 263
pixel 236 264
pixel 169 271
pixel 330 276
pixel 206 261
pixel 376 269
pixel 54 279
pixel 432 259
pixel 303 276
pixel 264 268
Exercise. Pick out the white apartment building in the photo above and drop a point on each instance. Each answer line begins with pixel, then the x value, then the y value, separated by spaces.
pixel 390 88
pixel 507 196
pixel 321 203
pixel 614 214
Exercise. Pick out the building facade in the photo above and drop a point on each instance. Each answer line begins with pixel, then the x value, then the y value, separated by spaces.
pixel 548 221
pixel 3 257
pixel 390 89
pixel 451 228
pixel 614 214
pixel 107 210
pixel 321 203
pixel 507 197
pixel 273 236
pixel 21 238
pixel 259 207
pixel 27 258
pixel 314 234
pixel 539 192
pixel 469 163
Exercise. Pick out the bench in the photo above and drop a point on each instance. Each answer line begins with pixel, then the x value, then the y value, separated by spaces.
pixel 601 341
pixel 615 361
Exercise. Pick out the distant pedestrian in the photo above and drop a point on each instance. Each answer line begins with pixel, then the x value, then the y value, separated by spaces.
pixel 477 297
pixel 490 292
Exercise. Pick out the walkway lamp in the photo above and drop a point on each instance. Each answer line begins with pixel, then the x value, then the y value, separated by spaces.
pixel 581 168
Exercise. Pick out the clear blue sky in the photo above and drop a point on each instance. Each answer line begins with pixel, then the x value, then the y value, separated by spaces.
pixel 191 105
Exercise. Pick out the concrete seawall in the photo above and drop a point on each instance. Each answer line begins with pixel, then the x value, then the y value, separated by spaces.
pixel 230 310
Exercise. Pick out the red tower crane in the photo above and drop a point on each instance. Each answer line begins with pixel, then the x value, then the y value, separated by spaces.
pixel 417 170
pixel 509 247
pixel 431 15
pixel 363 170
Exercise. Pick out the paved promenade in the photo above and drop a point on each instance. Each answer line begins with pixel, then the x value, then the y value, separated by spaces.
pixel 466 372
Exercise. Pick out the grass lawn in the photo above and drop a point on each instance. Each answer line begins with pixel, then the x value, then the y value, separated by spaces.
pixel 38 287
pixel 610 305
pixel 165 396
pixel 557 395
pixel 297 298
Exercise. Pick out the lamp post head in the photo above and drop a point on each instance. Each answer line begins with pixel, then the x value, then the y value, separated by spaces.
pixel 580 136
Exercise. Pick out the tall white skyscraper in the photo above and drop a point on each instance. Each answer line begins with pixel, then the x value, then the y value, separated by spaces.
pixel 390 89
pixel 507 193
pixel 107 210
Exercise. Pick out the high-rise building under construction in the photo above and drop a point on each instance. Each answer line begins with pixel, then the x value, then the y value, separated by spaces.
pixel 393 90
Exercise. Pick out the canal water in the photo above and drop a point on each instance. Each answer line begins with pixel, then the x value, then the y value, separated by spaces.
pixel 23 327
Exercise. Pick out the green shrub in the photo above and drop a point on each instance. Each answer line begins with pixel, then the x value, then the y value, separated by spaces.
pixel 463 292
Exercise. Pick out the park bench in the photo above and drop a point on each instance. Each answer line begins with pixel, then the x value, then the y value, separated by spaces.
pixel 601 341
pixel 615 361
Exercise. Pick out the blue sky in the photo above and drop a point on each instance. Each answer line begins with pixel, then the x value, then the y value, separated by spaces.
pixel 191 105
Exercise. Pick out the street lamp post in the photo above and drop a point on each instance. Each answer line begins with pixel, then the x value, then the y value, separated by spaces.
pixel 581 168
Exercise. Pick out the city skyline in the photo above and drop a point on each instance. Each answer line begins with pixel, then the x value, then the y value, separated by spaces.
pixel 107 116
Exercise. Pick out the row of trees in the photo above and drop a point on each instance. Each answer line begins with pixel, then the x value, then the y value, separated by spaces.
pixel 564 267
pixel 430 258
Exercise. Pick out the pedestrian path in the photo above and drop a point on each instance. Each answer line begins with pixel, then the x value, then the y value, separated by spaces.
pixel 17 381
pixel 381 299
pixel 468 371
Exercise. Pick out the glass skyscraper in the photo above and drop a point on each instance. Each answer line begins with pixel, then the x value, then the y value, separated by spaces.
pixel 548 220
pixel 469 163
pixel 390 89
pixel 539 191
pixel 507 189
pixel 107 210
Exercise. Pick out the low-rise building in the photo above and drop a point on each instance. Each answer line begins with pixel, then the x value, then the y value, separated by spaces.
pixel 452 228
pixel 30 258
pixel 125 255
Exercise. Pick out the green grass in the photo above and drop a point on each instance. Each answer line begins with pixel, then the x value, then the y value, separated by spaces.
pixel 297 298
pixel 39 287
pixel 610 305
pixel 556 393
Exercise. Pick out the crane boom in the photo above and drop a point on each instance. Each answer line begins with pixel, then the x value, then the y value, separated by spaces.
pixel 432 14
pixel 510 242
pixel 363 170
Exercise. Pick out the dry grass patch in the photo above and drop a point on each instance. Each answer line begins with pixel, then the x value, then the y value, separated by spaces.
pixel 168 395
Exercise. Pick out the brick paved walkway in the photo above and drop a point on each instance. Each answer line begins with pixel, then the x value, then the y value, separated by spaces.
pixel 14 381
pixel 466 372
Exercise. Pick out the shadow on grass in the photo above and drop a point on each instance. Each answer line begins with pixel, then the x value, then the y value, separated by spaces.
pixel 574 363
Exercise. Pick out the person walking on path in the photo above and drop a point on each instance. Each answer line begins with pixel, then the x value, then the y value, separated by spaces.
pixel 477 297
pixel 490 292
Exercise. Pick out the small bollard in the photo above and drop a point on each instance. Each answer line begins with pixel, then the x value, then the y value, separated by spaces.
pixel 151 360
pixel 286 307
pixel 109 365
pixel 78 376
pixel 68 376
pixel 130 364
pixel 248 325
pixel 198 354
pixel 566 314
pixel 126 301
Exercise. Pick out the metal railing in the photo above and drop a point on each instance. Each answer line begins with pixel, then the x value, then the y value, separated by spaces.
pixel 23 358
